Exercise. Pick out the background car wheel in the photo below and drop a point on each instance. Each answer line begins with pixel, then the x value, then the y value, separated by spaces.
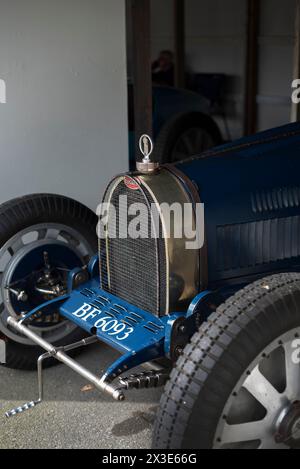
pixel 34 230
pixel 237 384
pixel 184 136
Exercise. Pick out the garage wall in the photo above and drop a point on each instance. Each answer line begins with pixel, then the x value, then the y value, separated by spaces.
pixel 63 128
pixel 276 46
pixel 215 43
pixel 162 36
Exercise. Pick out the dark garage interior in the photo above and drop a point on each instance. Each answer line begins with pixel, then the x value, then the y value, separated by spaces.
pixel 228 52
pixel 87 91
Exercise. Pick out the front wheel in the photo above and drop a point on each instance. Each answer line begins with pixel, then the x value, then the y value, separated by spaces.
pixel 42 237
pixel 237 384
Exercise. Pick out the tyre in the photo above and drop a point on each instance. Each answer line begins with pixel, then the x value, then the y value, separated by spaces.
pixel 184 136
pixel 237 384
pixel 42 237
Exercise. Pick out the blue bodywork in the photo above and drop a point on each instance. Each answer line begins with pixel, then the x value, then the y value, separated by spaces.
pixel 138 335
pixel 141 337
pixel 169 102
pixel 251 193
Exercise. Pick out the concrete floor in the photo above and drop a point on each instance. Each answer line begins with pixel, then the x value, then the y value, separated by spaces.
pixel 71 417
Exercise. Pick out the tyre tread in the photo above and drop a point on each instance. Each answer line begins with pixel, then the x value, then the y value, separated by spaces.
pixel 242 315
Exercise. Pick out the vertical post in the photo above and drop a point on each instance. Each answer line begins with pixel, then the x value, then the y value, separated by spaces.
pixel 142 78
pixel 295 109
pixel 250 109
pixel 179 42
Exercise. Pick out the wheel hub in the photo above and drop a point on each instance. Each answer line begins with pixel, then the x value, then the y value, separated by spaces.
pixel 289 428
pixel 30 277
pixel 30 272
pixel 263 412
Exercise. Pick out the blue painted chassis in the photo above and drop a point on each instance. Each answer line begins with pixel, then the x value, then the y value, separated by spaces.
pixel 246 164
pixel 151 336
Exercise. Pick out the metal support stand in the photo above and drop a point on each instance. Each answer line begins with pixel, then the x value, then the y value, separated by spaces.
pixel 157 376
pixel 32 404
pixel 60 355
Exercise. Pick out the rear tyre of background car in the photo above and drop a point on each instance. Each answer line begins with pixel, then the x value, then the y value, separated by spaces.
pixel 184 136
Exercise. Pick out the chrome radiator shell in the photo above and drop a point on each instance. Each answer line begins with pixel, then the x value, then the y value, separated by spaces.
pixel 176 270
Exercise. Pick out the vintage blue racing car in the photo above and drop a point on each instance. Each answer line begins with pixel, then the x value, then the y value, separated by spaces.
pixel 218 325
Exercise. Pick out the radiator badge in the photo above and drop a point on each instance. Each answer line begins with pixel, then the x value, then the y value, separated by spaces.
pixel 131 183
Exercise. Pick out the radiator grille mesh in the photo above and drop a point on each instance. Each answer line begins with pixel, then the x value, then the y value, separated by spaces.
pixel 134 269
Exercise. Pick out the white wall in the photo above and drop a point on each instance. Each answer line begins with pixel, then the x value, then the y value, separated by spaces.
pixel 64 126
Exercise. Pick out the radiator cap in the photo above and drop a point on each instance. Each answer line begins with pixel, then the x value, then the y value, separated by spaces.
pixel 146 148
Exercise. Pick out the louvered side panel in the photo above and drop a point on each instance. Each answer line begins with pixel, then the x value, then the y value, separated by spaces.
pixel 257 243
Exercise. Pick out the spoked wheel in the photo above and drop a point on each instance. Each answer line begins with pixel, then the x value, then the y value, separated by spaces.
pixel 264 410
pixel 185 136
pixel 42 238
pixel 237 385
pixel 192 142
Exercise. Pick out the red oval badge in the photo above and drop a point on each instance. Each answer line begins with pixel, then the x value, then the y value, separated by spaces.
pixel 131 183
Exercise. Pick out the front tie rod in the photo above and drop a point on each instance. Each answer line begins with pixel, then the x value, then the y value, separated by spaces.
pixel 59 354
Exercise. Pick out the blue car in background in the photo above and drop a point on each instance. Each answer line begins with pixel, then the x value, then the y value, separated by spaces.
pixel 182 126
